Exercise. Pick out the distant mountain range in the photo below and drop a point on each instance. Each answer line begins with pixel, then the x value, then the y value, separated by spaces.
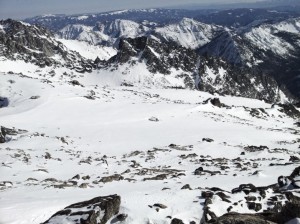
pixel 246 52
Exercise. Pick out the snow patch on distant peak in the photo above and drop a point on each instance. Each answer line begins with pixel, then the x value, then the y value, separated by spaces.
pixel 188 33
pixel 291 26
pixel 82 17
pixel 264 38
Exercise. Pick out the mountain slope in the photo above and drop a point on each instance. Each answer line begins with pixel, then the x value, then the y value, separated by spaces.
pixel 271 48
pixel 188 33
pixel 20 41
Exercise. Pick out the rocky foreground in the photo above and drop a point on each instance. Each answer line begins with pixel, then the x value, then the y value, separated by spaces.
pixel 277 203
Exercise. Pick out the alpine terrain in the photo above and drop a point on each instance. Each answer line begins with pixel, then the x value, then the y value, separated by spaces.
pixel 151 116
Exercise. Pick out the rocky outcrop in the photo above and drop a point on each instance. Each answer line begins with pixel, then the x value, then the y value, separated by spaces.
pixel 276 203
pixel 95 211
pixel 197 72
pixel 37 45
pixel 6 133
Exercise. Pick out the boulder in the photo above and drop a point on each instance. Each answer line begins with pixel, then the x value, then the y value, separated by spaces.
pixel 177 221
pixel 95 211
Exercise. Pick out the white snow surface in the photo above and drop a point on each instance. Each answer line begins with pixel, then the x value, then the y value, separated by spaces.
pixel 188 33
pixel 96 137
pixel 103 32
pixel 89 51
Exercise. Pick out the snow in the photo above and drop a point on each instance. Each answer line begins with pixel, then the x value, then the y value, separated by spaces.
pixel 265 38
pixel 89 51
pixel 82 17
pixel 106 33
pixel 115 124
pixel 188 33
pixel 95 128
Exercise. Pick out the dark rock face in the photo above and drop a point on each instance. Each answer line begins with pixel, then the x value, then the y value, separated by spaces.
pixel 156 55
pixel 37 45
pixel 5 132
pixel 235 218
pixel 4 102
pixel 95 211
pixel 2 138
pixel 202 72
pixel 241 49
pixel 289 110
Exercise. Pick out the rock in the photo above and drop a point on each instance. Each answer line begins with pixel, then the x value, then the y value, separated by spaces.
pixel 34 97
pixel 198 171
pixel 121 217
pixel 87 177
pixel 246 188
pixel 115 177
pixel 177 221
pixel 187 186
pixel 95 211
pixel 47 155
pixel 158 177
pixel 207 194
pixel 289 110
pixel 84 185
pixel 8 131
pixel 216 102
pixel 77 176
pixel 235 218
pixel 159 205
pixel 294 159
pixel 207 140
pixel 201 171
pixel 2 138
pixel 75 83
pixel 155 119
pixel 254 206
pixel 253 148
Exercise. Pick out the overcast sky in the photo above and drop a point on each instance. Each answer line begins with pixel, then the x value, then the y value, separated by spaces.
pixel 19 9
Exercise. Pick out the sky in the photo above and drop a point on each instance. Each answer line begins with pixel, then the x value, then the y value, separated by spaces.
pixel 20 9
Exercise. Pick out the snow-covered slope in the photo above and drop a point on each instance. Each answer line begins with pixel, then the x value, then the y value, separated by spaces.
pixel 188 33
pixel 267 47
pixel 89 51
pixel 136 126
pixel 37 45
pixel 82 141
pixel 105 33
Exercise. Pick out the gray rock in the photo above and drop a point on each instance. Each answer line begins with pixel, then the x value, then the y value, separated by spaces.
pixel 177 221
pixel 115 177
pixel 95 211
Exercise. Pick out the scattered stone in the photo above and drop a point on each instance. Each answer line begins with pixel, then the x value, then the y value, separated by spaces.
pixel 115 177
pixel 253 148
pixel 158 177
pixel 34 97
pixel 77 176
pixel 50 180
pixel 289 110
pixel 177 221
pixel 160 206
pixel 294 159
pixel 75 83
pixel 84 185
pixel 187 186
pixel 216 102
pixel 47 155
pixel 121 217
pixel 87 177
pixel 207 140
pixel 155 119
